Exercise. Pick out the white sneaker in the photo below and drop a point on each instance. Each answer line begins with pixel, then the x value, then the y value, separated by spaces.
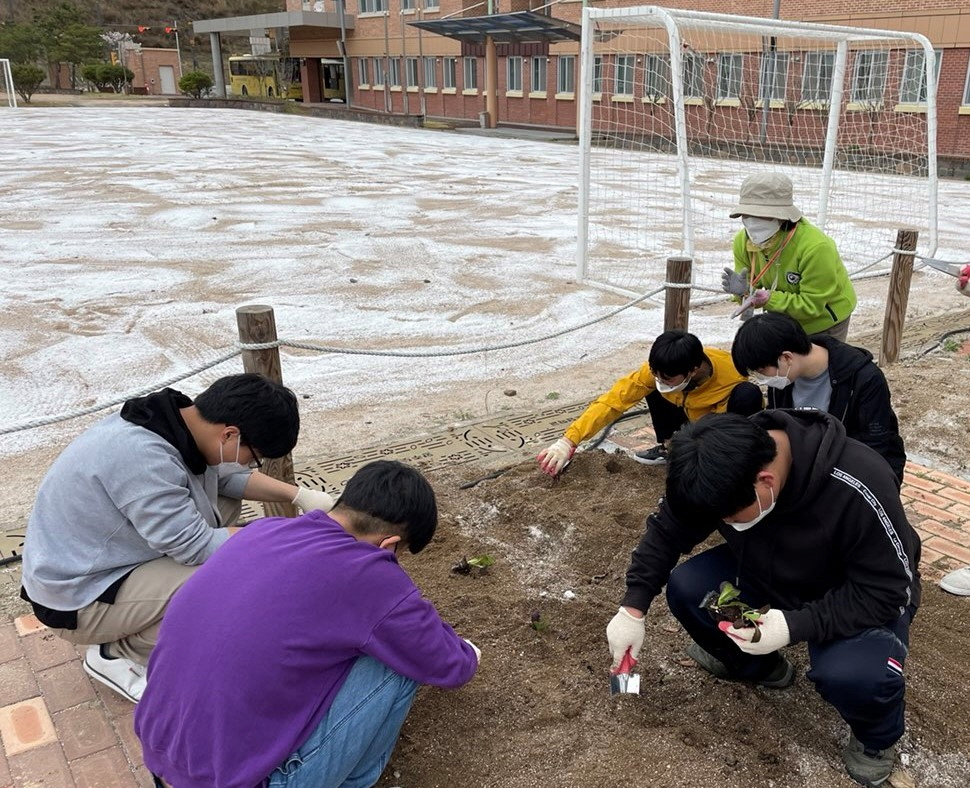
pixel 957 582
pixel 125 677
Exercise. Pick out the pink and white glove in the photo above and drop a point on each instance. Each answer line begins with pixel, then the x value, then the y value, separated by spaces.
pixel 774 633
pixel 760 297
pixel 963 279
pixel 554 459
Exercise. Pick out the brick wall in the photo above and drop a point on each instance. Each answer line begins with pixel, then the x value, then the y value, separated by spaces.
pixel 147 64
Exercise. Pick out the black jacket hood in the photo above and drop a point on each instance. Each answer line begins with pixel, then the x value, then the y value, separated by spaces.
pixel 159 413
pixel 817 441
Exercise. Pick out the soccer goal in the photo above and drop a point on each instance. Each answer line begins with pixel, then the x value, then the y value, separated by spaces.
pixel 678 107
pixel 8 94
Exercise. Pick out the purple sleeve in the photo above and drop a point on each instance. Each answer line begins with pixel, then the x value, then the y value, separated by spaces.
pixel 413 641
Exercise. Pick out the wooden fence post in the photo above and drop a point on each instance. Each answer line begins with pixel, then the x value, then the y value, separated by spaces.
pixel 898 296
pixel 677 299
pixel 257 324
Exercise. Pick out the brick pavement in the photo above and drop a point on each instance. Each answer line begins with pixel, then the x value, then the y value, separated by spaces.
pixel 59 729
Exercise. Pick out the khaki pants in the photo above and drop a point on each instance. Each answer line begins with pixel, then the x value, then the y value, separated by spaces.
pixel 840 330
pixel 130 625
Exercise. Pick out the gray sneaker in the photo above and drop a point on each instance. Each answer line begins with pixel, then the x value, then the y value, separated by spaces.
pixel 655 456
pixel 783 675
pixel 869 767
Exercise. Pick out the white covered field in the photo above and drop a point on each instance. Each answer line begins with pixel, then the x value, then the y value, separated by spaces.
pixel 130 235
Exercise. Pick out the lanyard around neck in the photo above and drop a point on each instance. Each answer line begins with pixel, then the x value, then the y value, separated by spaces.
pixel 774 257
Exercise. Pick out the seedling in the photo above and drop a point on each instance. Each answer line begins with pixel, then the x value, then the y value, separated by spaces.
pixel 537 622
pixel 951 345
pixel 725 605
pixel 552 395
pixel 479 562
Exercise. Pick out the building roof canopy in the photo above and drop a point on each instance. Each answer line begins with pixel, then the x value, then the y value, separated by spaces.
pixel 523 27
pixel 286 19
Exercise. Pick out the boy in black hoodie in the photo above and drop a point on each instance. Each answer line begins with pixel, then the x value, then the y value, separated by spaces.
pixel 813 526
pixel 803 371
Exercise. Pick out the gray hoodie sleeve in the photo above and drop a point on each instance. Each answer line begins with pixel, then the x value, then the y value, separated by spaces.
pixel 158 503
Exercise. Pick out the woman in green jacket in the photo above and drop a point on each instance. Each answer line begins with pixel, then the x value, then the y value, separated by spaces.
pixel 783 263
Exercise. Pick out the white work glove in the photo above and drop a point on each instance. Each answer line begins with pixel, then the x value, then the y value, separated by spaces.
pixel 554 459
pixel 963 279
pixel 625 631
pixel 477 650
pixel 774 633
pixel 735 282
pixel 308 500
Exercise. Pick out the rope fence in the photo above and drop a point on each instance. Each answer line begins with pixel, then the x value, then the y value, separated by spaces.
pixel 241 347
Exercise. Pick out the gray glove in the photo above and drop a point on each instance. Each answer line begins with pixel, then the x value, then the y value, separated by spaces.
pixel 735 282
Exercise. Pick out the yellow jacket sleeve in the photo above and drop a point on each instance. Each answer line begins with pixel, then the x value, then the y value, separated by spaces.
pixel 607 408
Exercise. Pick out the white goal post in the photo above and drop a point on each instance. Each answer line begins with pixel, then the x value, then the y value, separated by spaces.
pixel 8 92
pixel 677 107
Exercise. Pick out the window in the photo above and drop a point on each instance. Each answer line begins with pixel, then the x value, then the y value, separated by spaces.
pixel 471 73
pixel 566 74
pixel 693 68
pixel 372 6
pixel 363 71
pixel 395 64
pixel 538 75
pixel 817 76
pixel 623 79
pixel 408 5
pixel 598 74
pixel 869 77
pixel 514 75
pixel 430 73
pixel 449 75
pixel 431 5
pixel 729 69
pixel 912 88
pixel 411 72
pixel 656 80
pixel 774 76
pixel 378 71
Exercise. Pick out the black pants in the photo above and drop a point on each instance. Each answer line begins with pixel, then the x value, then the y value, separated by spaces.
pixel 667 418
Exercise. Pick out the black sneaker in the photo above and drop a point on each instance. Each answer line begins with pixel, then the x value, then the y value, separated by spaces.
pixel 783 675
pixel 655 456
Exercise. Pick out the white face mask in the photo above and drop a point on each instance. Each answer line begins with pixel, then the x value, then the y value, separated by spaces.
pixel 759 230
pixel 235 465
pixel 773 381
pixel 664 388
pixel 762 513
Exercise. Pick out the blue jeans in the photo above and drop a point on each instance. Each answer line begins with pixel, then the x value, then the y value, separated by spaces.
pixel 861 675
pixel 352 744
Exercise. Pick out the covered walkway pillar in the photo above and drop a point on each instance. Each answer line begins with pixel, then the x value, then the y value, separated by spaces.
pixel 218 77
pixel 491 82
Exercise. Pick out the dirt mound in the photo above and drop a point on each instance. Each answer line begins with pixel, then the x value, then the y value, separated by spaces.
pixel 539 713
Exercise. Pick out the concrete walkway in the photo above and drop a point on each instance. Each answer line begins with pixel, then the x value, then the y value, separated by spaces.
pixel 62 730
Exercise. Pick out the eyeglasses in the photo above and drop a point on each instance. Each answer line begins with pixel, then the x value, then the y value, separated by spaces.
pixel 256 462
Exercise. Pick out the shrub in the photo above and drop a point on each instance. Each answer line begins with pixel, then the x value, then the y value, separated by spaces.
pixel 196 84
pixel 26 79
pixel 107 75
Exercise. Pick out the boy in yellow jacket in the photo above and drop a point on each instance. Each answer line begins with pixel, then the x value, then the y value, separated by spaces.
pixel 681 381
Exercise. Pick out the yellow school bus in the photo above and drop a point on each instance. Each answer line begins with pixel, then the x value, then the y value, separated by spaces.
pixel 265 76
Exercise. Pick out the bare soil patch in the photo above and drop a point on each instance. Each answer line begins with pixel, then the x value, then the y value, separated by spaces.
pixel 539 713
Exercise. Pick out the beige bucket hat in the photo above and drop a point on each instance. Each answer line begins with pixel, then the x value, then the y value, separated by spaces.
pixel 768 195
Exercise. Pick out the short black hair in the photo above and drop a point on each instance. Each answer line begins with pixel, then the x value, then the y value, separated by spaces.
pixel 265 412
pixel 389 492
pixel 713 463
pixel 675 353
pixel 762 339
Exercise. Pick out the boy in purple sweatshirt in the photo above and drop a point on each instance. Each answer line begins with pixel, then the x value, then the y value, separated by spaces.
pixel 291 657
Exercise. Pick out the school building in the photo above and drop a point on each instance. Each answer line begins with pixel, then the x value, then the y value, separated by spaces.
pixel 429 57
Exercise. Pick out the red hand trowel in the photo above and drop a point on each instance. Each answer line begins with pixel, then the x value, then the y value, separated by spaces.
pixel 623 681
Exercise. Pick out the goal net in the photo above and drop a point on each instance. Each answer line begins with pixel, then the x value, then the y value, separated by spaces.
pixel 678 107
pixel 8 95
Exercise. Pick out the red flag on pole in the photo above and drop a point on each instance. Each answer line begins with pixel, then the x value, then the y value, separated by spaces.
pixel 169 29
pixel 143 28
